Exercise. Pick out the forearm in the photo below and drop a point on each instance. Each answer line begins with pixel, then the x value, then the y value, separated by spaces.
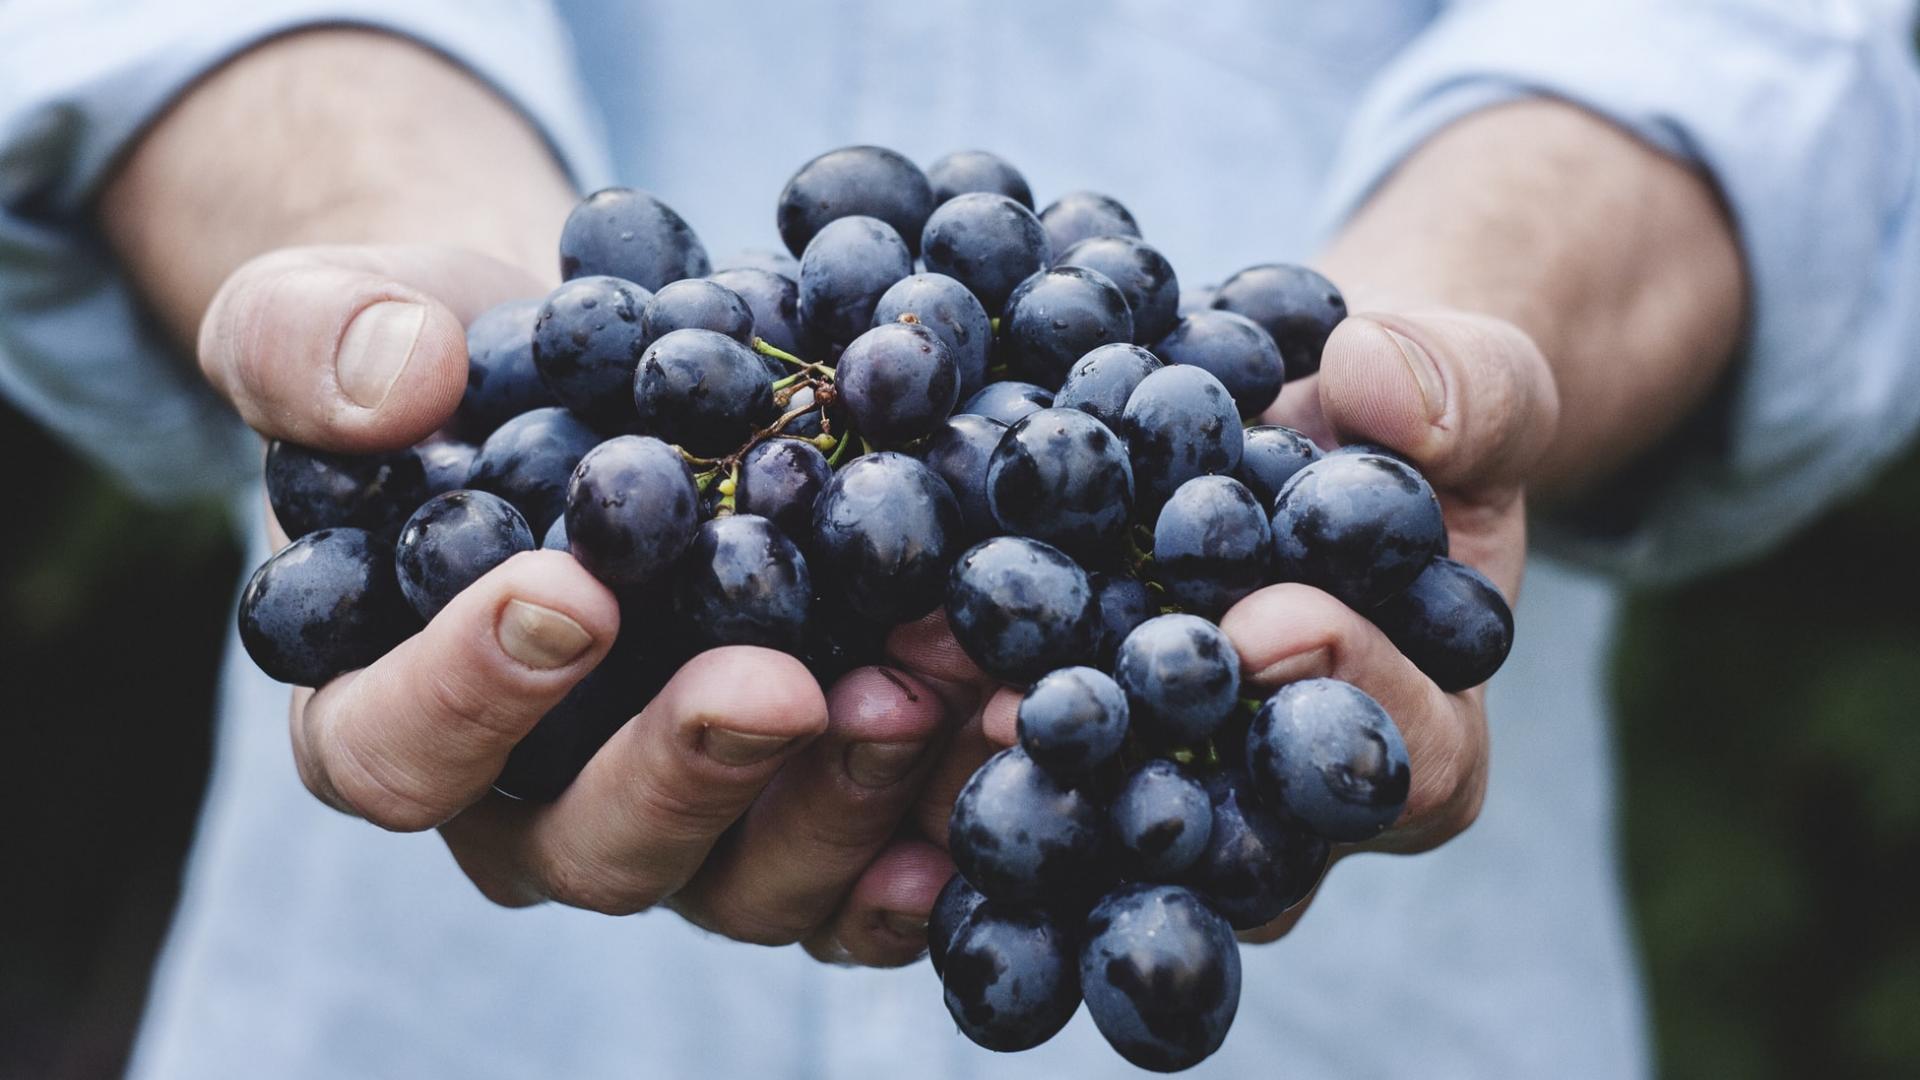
pixel 1618 261
pixel 328 136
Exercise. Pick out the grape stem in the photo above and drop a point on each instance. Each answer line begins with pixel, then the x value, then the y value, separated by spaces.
pixel 821 370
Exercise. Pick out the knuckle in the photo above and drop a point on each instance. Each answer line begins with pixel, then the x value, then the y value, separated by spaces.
pixel 730 916
pixel 596 887
pixel 377 789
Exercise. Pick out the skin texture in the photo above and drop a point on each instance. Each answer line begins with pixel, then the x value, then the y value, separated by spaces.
pixel 1527 254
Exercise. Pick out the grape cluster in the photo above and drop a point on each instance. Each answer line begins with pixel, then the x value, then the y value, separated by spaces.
pixel 939 398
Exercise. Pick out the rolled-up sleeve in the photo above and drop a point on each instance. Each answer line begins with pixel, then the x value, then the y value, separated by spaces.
pixel 1806 116
pixel 79 81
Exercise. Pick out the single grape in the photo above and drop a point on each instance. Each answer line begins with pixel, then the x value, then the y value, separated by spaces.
pixel 1019 835
pixel 325 604
pixel 315 489
pixel 773 304
pixel 630 235
pixel 1372 448
pixel 1234 348
pixel 956 901
pixel 1296 306
pixel 865 181
pixel 958 452
pixel 556 537
pixel 885 532
pixel 898 382
pixel 1323 753
pixel 586 344
pixel 779 480
pixel 1072 721
pixel 1142 274
pixel 1182 677
pixel 1180 423
pixel 844 271
pixel 1122 603
pixel 839 640
pixel 1211 545
pixel 783 263
pixel 1160 971
pixel 702 390
pixel 451 541
pixel 743 582
pixel 987 242
pixel 1082 215
pixel 1100 382
pixel 445 463
pixel 632 509
pixel 1021 608
pixel 502 381
pixel 1012 977
pixel 1257 864
pixel 1007 402
pixel 966 171
pixel 1054 318
pixel 1451 622
pixel 1060 476
pixel 952 312
pixel 1360 526
pixel 546 760
pixel 696 304
pixel 1159 821
pixel 1269 457
pixel 528 461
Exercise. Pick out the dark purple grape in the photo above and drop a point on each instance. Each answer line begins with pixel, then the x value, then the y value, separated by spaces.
pixel 1123 603
pixel 528 461
pixel 838 640
pixel 1072 721
pixel 631 235
pixel 632 509
pixel 445 463
pixel 1019 835
pixel 1160 971
pixel 779 480
pixel 1269 457
pixel 1100 382
pixel 546 760
pixel 1056 317
pixel 702 390
pixel 773 303
pixel 866 181
pixel 782 263
pixel 502 381
pixel 1323 753
pixel 958 452
pixel 803 404
pixel 885 532
pixel 1021 608
pixel 1360 526
pixel 844 271
pixel 586 345
pixel 325 604
pixel 1180 423
pixel 315 489
pixel 1060 476
pixel 987 242
pixel 953 313
pixel 897 382
pixel 966 171
pixel 1257 865
pixel 451 541
pixel 1182 678
pixel 1012 977
pixel 956 901
pixel 1142 274
pixel 1294 305
pixel 1082 215
pixel 1451 622
pixel 556 537
pixel 1007 402
pixel 696 304
pixel 1371 448
pixel 743 582
pixel 1211 545
pixel 1159 821
pixel 1234 348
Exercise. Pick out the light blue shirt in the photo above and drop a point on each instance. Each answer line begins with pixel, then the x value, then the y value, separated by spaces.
pixel 310 945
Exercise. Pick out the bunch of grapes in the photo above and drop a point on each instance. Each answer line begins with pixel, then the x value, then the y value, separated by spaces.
pixel 947 400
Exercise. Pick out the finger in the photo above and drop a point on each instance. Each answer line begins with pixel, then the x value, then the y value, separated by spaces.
pixel 350 348
pixel 966 751
pixel 824 817
pixel 1000 717
pixel 1285 633
pixel 884 920
pixel 409 741
pixel 646 811
pixel 927 648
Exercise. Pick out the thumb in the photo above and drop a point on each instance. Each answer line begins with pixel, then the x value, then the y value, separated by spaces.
pixel 350 348
pixel 1469 398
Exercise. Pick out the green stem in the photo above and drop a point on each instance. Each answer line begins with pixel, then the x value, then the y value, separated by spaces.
pixel 839 452
pixel 760 346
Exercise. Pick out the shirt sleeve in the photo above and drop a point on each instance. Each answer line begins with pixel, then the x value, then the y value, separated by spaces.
pixel 79 81
pixel 1806 116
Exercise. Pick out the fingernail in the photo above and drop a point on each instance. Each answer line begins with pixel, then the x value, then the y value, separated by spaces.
pixel 739 748
pixel 879 764
pixel 375 350
pixel 907 926
pixel 1426 374
pixel 541 637
pixel 1294 668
